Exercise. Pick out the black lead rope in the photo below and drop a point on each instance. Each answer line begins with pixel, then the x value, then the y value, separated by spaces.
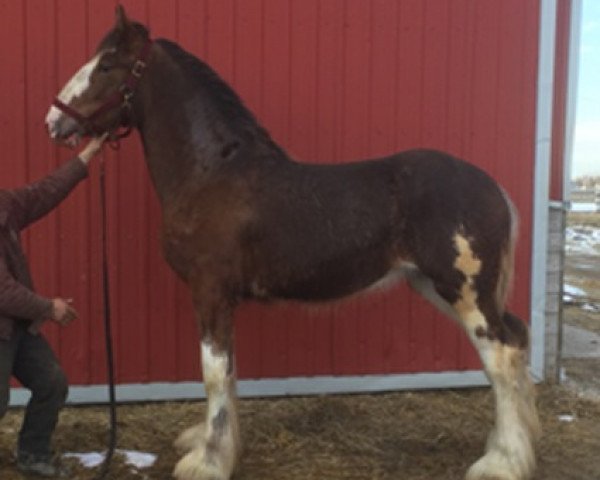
pixel 107 331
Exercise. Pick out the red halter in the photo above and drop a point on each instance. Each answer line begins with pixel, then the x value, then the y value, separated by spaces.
pixel 121 98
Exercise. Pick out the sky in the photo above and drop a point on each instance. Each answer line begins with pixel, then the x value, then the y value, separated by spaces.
pixel 586 146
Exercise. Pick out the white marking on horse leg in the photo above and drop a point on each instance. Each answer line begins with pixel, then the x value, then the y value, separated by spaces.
pixel 78 84
pixel 222 421
pixel 191 438
pixel 215 456
pixel 467 263
pixel 197 466
pixel 509 452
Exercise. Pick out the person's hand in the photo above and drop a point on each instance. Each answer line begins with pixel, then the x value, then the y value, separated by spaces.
pixel 62 311
pixel 92 148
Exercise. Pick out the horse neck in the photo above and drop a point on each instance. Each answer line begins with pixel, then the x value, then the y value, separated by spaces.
pixel 183 135
pixel 165 130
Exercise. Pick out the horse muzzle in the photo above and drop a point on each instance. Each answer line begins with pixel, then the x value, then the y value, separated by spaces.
pixel 62 128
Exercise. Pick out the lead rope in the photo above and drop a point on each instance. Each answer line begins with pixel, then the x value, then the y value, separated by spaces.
pixel 107 330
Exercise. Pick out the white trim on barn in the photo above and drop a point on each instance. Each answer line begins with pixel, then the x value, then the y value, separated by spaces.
pixel 379 383
pixel 559 207
pixel 271 387
pixel 572 82
pixel 541 194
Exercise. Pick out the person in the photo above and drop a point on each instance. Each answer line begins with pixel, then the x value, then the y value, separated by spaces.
pixel 24 352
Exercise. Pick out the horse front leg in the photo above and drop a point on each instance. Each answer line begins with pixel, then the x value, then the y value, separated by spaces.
pixel 213 446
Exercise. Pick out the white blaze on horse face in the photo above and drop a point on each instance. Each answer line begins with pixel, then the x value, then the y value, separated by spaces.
pixel 78 84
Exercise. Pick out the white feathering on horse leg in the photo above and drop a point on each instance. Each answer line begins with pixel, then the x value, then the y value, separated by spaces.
pixel 510 450
pixel 191 438
pixel 196 466
pixel 214 444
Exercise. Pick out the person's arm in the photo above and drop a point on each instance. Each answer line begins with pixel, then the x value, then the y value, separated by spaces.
pixel 18 301
pixel 37 199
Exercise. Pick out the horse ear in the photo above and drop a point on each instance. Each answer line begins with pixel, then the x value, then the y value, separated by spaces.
pixel 121 20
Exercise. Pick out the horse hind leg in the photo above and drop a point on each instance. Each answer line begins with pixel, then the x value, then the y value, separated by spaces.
pixel 191 438
pixel 510 447
pixel 509 450
pixel 501 340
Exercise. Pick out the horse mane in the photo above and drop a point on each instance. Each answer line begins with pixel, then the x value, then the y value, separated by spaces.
pixel 226 101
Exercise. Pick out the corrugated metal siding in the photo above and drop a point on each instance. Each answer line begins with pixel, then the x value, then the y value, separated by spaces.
pixel 332 81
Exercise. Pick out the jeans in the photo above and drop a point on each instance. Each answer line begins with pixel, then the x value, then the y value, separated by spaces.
pixel 31 360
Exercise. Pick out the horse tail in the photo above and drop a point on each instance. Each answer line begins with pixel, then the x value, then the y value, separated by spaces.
pixel 507 258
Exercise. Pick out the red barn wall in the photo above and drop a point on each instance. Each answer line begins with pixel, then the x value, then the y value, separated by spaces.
pixel 333 81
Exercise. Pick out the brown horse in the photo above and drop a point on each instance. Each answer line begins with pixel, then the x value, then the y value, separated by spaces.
pixel 242 220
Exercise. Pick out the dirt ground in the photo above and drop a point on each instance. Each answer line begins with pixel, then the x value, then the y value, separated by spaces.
pixel 580 318
pixel 583 218
pixel 409 436
pixel 582 374
pixel 582 270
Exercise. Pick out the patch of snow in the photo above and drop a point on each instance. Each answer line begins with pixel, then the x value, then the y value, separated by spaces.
pixel 563 377
pixel 571 292
pixel 87 460
pixel 138 459
pixel 591 307
pixel 583 240
pixel 566 418
pixel 134 458
pixel 584 207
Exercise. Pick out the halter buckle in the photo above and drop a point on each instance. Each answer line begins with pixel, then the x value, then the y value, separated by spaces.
pixel 127 93
pixel 137 68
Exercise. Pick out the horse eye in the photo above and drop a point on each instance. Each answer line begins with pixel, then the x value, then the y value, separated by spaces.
pixel 104 67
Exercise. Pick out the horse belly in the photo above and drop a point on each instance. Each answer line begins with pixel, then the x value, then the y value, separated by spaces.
pixel 341 279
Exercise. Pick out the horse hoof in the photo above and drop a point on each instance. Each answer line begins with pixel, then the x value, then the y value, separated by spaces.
pixel 496 466
pixel 196 466
pixel 191 439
